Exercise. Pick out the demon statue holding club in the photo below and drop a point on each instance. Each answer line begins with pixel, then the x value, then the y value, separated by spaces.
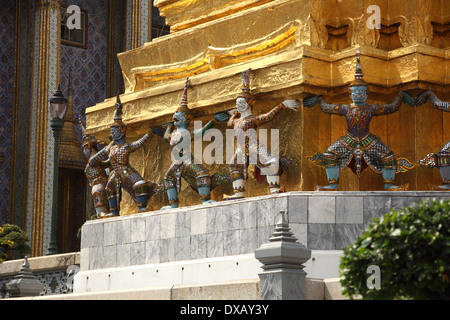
pixel 96 172
pixel 179 136
pixel 359 144
pixel 249 150
pixel 123 175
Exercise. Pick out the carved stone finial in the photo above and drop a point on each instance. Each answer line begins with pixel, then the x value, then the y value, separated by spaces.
pixel 283 259
pixel 25 283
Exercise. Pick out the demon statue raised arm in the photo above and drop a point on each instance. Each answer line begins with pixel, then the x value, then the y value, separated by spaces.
pixel 359 144
pixel 123 175
pixel 96 173
pixel 249 150
pixel 441 159
pixel 179 136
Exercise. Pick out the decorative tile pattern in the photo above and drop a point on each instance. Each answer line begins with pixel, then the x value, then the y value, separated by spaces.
pixel 7 47
pixel 89 66
pixel 53 65
pixel 129 18
pixel 35 24
pixel 145 15
pixel 22 108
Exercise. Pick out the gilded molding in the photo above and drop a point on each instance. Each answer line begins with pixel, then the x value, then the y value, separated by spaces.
pixel 184 14
pixel 215 58
pixel 306 68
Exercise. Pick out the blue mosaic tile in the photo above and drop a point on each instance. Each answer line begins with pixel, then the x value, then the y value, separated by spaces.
pixel 7 46
pixel 89 66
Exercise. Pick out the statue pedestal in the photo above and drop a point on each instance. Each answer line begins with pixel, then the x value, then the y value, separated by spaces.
pixel 216 242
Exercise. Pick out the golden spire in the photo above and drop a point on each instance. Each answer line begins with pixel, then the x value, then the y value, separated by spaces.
pixel 70 153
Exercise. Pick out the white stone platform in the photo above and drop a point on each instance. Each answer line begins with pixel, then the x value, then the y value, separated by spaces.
pixel 215 242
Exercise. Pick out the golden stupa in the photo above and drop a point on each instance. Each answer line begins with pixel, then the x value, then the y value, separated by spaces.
pixel 295 48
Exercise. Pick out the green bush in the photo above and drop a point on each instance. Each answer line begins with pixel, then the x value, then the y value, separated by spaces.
pixel 411 247
pixel 12 238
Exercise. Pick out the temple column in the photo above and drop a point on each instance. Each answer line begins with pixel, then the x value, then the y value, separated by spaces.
pixel 138 19
pixel 18 196
pixel 45 78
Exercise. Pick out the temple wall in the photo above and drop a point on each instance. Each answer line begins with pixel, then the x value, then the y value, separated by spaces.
pixel 89 65
pixel 7 45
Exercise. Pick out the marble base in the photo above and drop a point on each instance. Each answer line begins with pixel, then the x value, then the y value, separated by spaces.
pixel 322 265
pixel 325 222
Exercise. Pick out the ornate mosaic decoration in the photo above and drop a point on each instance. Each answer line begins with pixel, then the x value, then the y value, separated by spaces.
pixel 184 165
pixel 359 148
pixel 7 45
pixel 249 149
